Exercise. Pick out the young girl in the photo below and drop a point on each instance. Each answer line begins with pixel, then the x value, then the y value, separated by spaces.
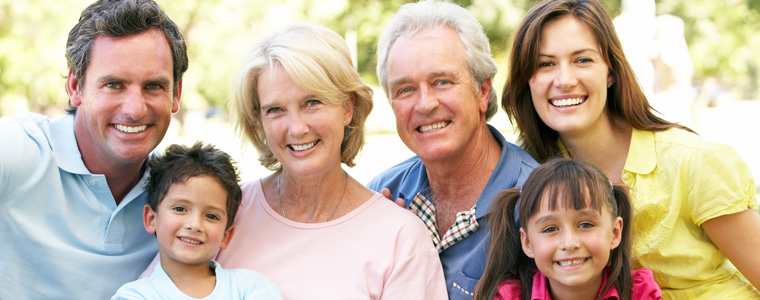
pixel 575 225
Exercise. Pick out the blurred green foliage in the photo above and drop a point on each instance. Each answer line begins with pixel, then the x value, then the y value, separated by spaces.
pixel 722 36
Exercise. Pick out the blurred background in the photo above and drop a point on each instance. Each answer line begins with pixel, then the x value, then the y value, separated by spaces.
pixel 696 60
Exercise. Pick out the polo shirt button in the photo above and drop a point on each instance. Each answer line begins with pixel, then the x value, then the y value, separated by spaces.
pixel 92 181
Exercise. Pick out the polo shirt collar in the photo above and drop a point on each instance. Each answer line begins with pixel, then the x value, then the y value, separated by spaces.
pixel 65 148
pixel 504 176
pixel 642 158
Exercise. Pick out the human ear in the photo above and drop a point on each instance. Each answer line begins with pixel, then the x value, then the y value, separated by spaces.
pixel 610 78
pixel 72 88
pixel 175 98
pixel 227 237
pixel 485 95
pixel 527 248
pixel 348 106
pixel 149 219
pixel 617 232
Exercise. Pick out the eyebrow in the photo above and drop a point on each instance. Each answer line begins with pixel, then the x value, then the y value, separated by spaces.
pixel 574 52
pixel 584 212
pixel 429 75
pixel 160 81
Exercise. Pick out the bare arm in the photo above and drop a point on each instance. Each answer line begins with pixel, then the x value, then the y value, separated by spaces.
pixel 735 235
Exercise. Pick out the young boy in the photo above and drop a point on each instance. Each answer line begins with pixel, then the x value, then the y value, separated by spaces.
pixel 193 196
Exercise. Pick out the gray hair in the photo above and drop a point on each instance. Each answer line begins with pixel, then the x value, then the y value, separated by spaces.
pixel 117 18
pixel 413 18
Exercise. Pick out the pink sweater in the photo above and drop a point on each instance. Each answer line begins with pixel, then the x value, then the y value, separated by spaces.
pixel 377 251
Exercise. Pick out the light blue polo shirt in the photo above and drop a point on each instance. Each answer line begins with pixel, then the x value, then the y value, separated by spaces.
pixel 464 262
pixel 231 284
pixel 63 236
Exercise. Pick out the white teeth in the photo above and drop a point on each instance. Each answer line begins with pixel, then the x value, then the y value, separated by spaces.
pixel 130 129
pixel 568 102
pixel 571 262
pixel 190 241
pixel 435 126
pixel 303 147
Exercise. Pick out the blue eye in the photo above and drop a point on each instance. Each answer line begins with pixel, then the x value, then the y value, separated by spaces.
pixel 212 217
pixel 313 102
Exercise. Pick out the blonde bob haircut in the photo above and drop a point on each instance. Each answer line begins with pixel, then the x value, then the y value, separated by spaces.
pixel 319 61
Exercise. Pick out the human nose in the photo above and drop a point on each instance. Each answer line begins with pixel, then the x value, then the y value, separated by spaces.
pixel 565 77
pixel 427 101
pixel 297 126
pixel 569 240
pixel 134 104
pixel 193 222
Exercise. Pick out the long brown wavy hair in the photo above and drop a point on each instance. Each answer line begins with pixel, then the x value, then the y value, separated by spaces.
pixel 625 98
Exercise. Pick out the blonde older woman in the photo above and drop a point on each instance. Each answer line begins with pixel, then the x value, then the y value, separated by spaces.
pixel 309 227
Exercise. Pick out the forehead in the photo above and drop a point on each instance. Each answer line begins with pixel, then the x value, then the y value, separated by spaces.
pixel 427 51
pixel 142 54
pixel 567 33
pixel 275 83
pixel 202 190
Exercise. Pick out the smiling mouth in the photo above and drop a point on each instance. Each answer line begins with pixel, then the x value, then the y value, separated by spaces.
pixel 431 127
pixel 566 263
pixel 568 102
pixel 194 242
pixel 303 147
pixel 130 129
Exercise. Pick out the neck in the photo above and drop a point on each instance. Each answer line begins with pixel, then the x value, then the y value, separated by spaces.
pixel 196 281
pixel 121 178
pixel 312 199
pixel 606 147
pixel 588 290
pixel 468 173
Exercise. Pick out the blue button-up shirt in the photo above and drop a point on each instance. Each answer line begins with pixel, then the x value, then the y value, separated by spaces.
pixel 63 235
pixel 465 261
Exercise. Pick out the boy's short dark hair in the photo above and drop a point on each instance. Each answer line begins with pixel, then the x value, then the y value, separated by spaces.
pixel 180 163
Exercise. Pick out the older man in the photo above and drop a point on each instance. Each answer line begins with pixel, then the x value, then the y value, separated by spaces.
pixel 72 189
pixel 435 65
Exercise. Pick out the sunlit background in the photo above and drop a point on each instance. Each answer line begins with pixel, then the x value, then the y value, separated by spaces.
pixel 711 86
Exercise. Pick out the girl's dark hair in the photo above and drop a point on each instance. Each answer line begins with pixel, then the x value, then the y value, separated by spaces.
pixel 581 185
pixel 625 98
pixel 180 162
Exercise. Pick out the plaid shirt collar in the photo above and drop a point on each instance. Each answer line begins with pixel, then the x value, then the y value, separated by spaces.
pixel 465 224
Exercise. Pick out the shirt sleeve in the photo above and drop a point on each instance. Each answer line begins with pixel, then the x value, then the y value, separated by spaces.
pixel 643 286
pixel 19 159
pixel 509 290
pixel 718 182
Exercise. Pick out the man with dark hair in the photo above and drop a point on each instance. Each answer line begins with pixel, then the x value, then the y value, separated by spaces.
pixel 72 189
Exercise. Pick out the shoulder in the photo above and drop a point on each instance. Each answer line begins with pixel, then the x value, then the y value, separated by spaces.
pixel 27 130
pixel 138 289
pixel 396 175
pixel 252 283
pixel 514 152
pixel 643 285
pixel 407 231
pixel 32 148
pixel 693 150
